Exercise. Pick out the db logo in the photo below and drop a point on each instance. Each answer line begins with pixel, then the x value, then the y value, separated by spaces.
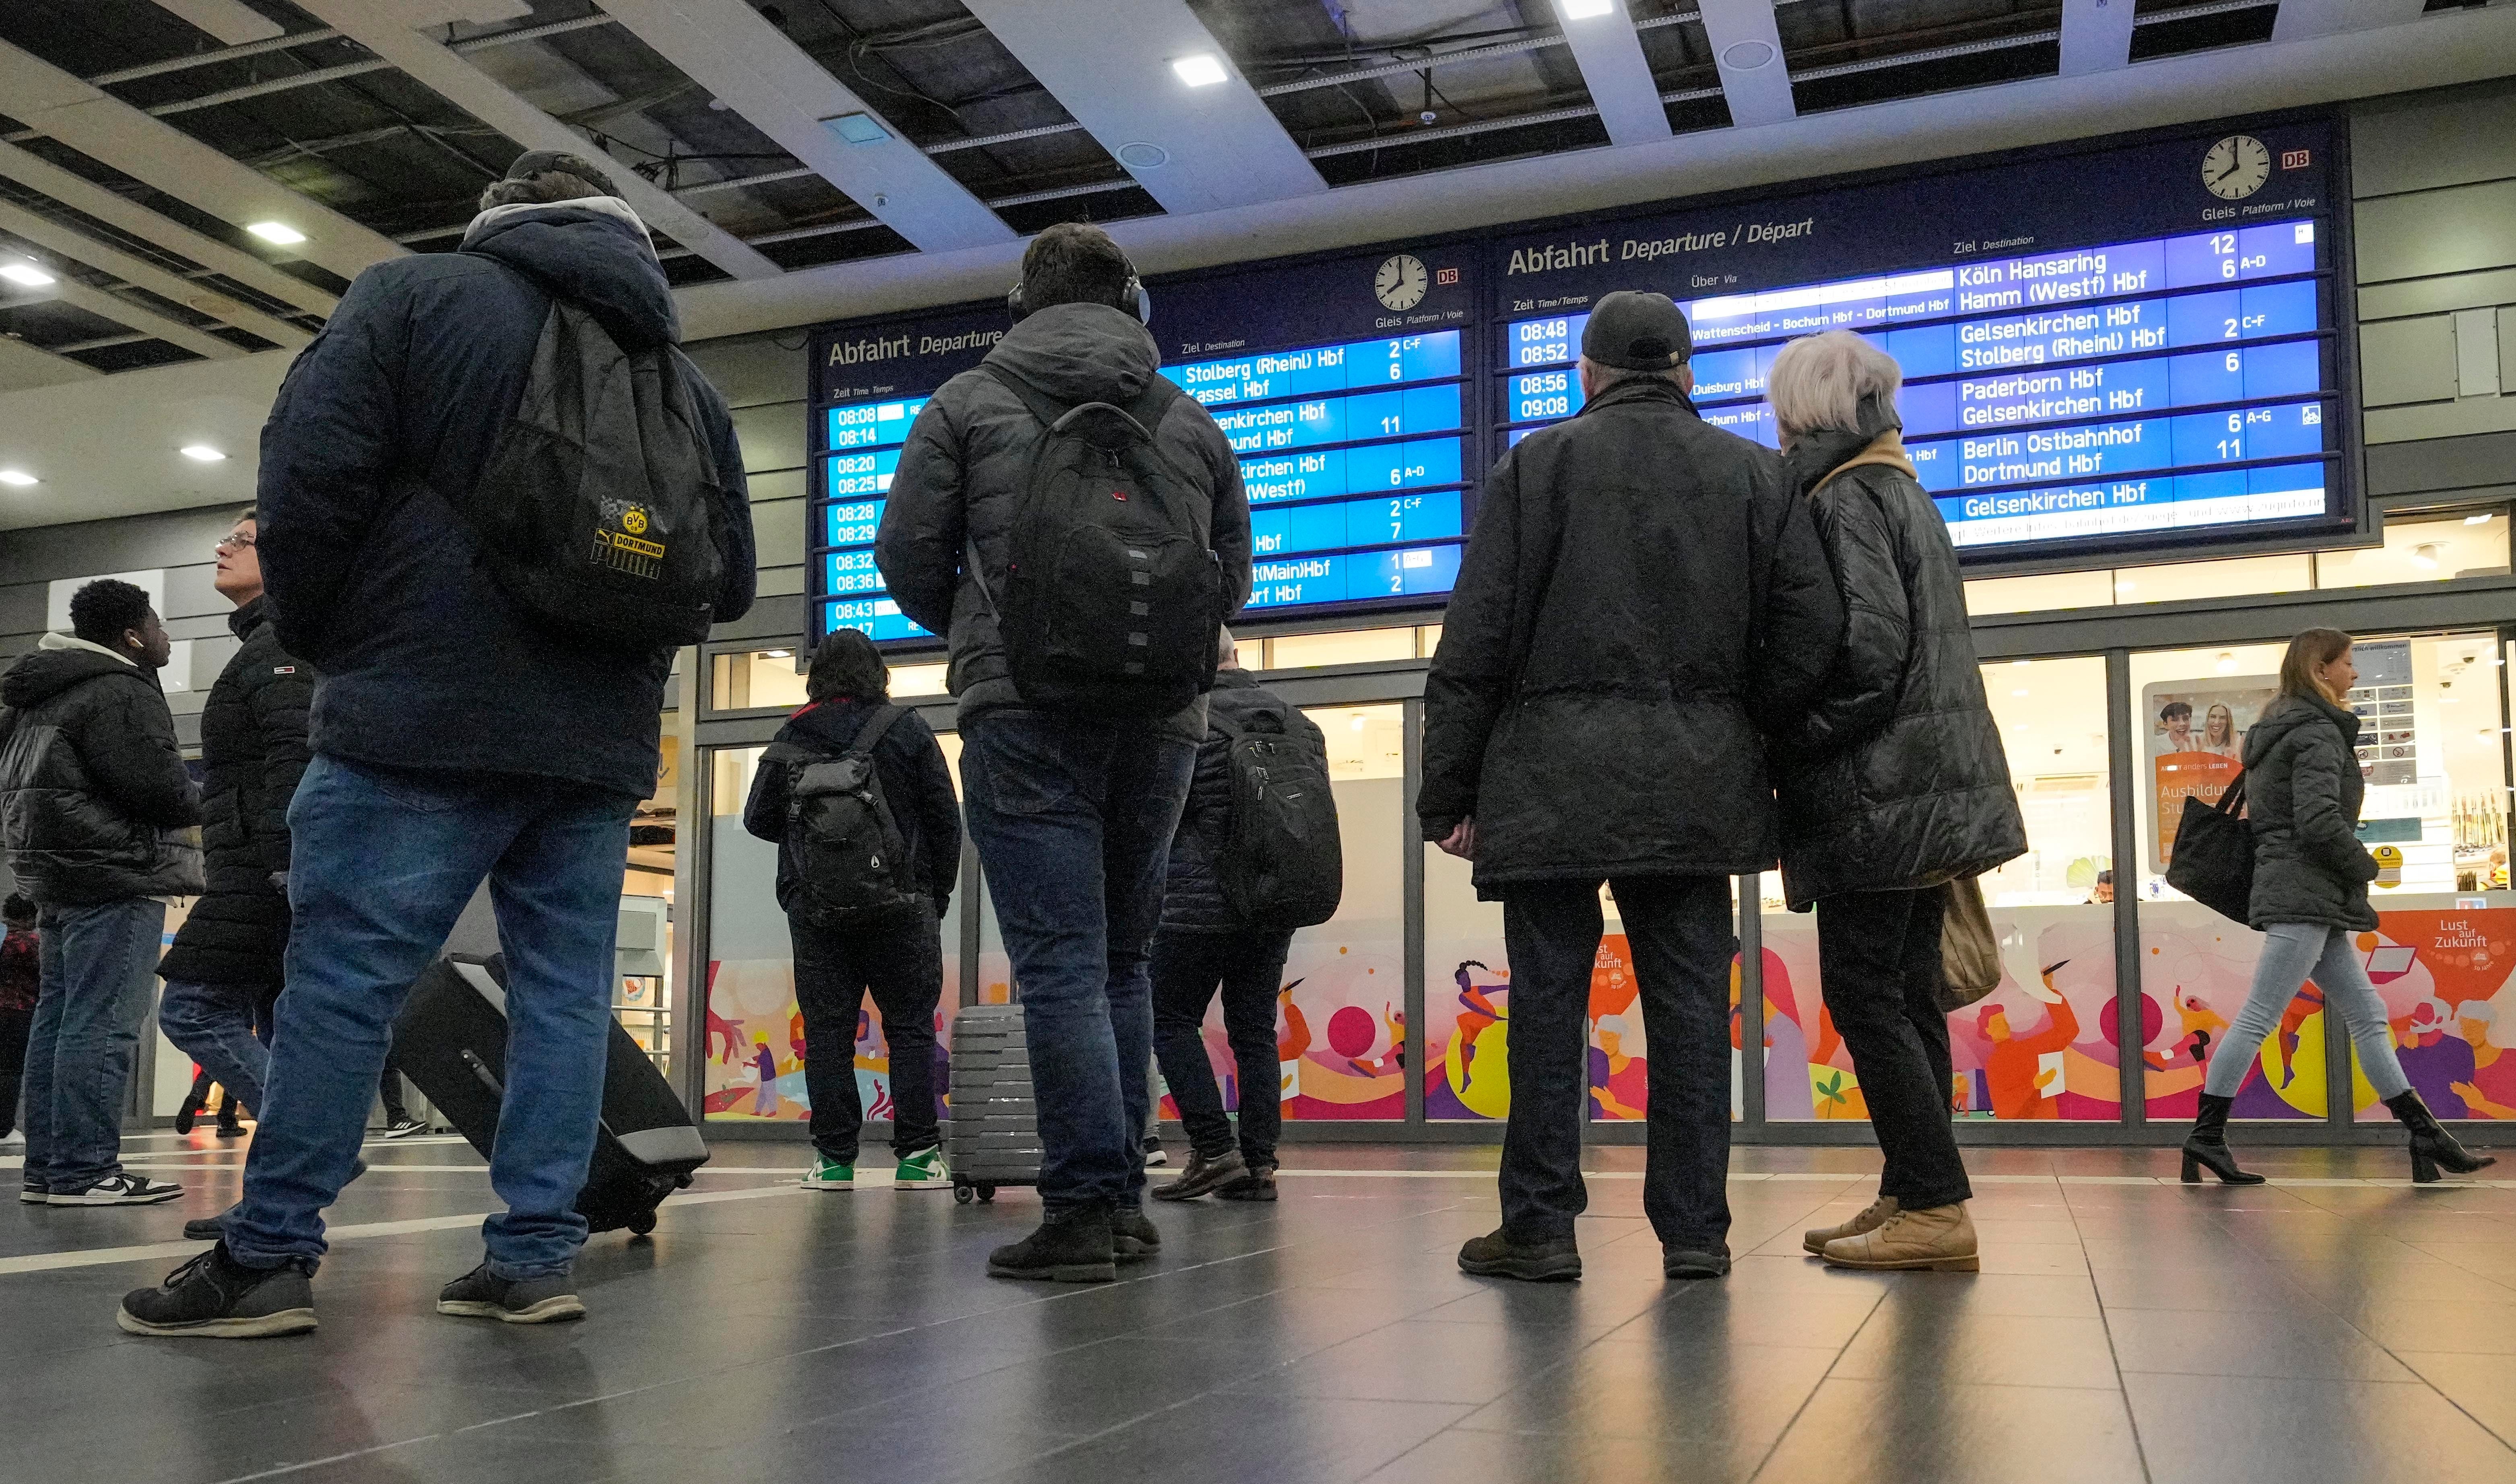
pixel 1446 275
pixel 2293 159
pixel 633 521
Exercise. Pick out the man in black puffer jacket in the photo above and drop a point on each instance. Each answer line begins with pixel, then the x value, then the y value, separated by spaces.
pixel 222 975
pixel 1641 592
pixel 1203 942
pixel 899 960
pixel 455 740
pixel 93 798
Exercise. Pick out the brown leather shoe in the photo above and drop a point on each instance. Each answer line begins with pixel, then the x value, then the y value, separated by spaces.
pixel 1870 1219
pixel 1940 1238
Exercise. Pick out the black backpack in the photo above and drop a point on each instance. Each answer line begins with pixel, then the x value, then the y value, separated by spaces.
pixel 1282 863
pixel 598 508
pixel 1113 593
pixel 849 853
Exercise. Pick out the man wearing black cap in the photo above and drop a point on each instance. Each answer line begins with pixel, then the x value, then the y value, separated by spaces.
pixel 455 738
pixel 1643 598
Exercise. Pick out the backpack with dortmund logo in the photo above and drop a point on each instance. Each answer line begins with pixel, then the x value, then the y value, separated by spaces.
pixel 1283 864
pixel 851 859
pixel 1113 591
pixel 597 510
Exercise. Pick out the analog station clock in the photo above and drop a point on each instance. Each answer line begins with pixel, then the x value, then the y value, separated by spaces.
pixel 1401 282
pixel 2235 167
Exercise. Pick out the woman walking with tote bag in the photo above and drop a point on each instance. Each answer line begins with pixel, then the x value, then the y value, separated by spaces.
pixel 1891 789
pixel 2309 899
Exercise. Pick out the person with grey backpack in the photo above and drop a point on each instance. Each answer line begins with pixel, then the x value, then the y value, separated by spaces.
pixel 854 793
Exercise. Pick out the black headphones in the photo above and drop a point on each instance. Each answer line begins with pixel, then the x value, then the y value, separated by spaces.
pixel 1132 295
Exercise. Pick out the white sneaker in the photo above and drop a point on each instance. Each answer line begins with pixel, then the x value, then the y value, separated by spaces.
pixel 123 1189
pixel 12 1141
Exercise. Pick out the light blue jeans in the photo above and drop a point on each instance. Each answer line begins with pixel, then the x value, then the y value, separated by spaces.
pixel 2291 952
pixel 99 965
pixel 383 861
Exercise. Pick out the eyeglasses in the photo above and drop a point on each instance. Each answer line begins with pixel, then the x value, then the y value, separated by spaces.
pixel 232 542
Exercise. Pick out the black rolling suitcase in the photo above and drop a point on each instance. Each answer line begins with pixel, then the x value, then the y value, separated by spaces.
pixel 452 1041
pixel 993 1137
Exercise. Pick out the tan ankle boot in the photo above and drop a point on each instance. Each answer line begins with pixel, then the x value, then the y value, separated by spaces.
pixel 1941 1238
pixel 1871 1220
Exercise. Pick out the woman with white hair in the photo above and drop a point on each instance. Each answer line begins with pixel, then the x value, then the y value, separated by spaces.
pixel 1893 786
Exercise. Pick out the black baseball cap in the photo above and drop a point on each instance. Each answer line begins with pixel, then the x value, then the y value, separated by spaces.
pixel 1635 331
pixel 533 162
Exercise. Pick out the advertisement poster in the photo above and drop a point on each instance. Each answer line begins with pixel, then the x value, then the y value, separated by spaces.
pixel 2196 738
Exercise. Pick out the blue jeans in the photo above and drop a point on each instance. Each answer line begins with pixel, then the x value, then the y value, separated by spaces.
pixel 98 965
pixel 383 860
pixel 1073 818
pixel 2291 950
pixel 213 1024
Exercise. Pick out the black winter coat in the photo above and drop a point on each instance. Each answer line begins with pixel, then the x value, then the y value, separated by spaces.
pixel 1896 778
pixel 1642 595
pixel 2303 789
pixel 1192 899
pixel 966 464
pixel 376 581
pixel 915 782
pixel 254 749
pixel 94 805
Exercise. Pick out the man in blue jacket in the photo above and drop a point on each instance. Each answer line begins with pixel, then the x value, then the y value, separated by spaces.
pixel 454 740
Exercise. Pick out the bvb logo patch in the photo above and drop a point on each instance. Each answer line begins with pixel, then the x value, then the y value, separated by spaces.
pixel 634 519
pixel 623 552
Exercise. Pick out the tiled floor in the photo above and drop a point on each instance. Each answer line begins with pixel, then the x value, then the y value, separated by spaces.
pixel 2337 1325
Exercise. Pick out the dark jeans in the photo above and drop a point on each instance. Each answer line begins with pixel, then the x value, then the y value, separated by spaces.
pixel 1072 817
pixel 15 1024
pixel 99 966
pixel 1878 964
pixel 901 964
pixel 1681 935
pixel 1250 967
pixel 384 860
pixel 213 1024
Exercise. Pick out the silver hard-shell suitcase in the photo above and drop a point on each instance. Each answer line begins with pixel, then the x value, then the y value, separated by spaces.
pixel 993 1137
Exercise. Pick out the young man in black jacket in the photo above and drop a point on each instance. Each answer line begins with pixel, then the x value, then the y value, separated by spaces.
pixel 94 807
pixel 1071 811
pixel 223 971
pixel 1643 597
pixel 899 960
pixel 1203 942
pixel 454 739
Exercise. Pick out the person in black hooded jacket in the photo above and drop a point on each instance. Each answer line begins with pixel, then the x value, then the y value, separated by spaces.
pixel 454 738
pixel 1892 785
pixel 225 969
pixel 95 805
pixel 1642 597
pixel 2302 793
pixel 901 961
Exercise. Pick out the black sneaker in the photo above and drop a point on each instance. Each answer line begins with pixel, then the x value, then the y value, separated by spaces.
pixel 229 1125
pixel 1133 1237
pixel 1204 1176
pixel 1259 1185
pixel 1076 1249
pixel 122 1188
pixel 214 1297
pixel 404 1128
pixel 1555 1259
pixel 1155 1158
pixel 480 1295
pixel 35 1192
pixel 1678 1260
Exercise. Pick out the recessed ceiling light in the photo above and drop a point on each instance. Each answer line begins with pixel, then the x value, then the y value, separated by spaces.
pixel 2425 554
pixel 2022 690
pixel 202 453
pixel 2481 520
pixel 16 477
pixel 2227 664
pixel 1202 70
pixel 277 231
pixel 26 273
pixel 1583 9
pixel 777 654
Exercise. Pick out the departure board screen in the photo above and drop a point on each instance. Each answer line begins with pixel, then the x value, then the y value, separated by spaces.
pixel 1344 385
pixel 2122 343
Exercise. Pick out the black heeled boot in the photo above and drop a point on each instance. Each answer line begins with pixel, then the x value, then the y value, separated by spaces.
pixel 186 1114
pixel 2432 1148
pixel 2208 1144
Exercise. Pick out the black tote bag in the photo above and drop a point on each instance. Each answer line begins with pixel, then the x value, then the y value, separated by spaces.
pixel 2214 854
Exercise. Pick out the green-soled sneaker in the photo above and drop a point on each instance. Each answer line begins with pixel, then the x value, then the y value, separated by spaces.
pixel 926 1170
pixel 828 1173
